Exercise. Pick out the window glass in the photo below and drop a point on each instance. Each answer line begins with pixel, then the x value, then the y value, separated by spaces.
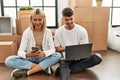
pixel 116 16
pixel 50 16
pixel 11 12
pixel 38 8
pixel 9 2
pixel 107 3
pixel 36 2
pixel 116 3
pixel 22 2
pixel 49 2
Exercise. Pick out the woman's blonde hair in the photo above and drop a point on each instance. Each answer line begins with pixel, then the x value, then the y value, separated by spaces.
pixel 42 14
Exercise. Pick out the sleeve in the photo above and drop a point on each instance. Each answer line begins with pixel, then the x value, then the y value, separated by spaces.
pixel 23 45
pixel 48 47
pixel 83 36
pixel 56 38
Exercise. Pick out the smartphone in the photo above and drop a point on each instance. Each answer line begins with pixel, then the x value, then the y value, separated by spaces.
pixel 35 49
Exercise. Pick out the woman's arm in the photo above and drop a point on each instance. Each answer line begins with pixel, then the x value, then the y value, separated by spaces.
pixel 23 45
pixel 48 46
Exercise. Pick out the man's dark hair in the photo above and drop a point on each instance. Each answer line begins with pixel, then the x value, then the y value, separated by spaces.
pixel 67 12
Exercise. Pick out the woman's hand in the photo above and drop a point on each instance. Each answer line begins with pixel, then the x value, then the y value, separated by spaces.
pixel 30 54
pixel 39 54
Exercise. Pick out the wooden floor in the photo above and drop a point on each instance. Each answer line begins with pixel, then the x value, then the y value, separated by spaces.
pixel 108 69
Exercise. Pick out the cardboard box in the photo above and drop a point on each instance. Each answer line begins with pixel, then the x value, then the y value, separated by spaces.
pixel 83 14
pixel 21 25
pixel 89 28
pixel 97 33
pixel 95 20
pixel 84 3
pixel 100 34
pixel 7 48
pixel 16 38
pixel 101 14
pixel 24 13
pixel 71 4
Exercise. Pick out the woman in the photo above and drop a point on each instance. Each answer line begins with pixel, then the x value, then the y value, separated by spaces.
pixel 29 61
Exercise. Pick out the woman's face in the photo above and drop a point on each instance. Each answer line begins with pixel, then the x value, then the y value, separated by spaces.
pixel 37 21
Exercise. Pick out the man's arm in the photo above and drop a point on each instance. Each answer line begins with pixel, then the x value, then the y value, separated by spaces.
pixel 60 49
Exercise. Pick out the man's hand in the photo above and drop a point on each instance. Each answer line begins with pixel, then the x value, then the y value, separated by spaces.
pixel 60 49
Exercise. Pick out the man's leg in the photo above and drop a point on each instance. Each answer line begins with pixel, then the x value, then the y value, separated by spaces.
pixel 77 66
pixel 64 70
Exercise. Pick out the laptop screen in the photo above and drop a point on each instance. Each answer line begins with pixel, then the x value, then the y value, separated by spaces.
pixel 77 52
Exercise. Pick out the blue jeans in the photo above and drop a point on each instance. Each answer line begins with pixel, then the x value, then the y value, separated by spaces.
pixel 22 63
pixel 67 67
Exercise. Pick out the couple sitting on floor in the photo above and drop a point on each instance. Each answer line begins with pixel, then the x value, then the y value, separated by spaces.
pixel 28 61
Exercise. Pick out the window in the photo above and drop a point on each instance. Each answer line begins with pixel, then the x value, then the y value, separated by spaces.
pixel 11 7
pixel 115 21
pixel 114 5
pixel 105 3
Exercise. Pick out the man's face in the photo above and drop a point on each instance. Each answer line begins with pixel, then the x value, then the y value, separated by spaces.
pixel 68 21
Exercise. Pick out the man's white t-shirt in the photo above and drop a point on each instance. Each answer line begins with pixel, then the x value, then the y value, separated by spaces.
pixel 64 37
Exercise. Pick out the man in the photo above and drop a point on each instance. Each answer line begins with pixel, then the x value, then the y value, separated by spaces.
pixel 72 34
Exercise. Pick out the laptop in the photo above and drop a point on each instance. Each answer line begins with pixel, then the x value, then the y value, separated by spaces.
pixel 77 52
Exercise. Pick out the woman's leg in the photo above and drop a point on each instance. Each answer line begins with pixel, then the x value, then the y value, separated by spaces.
pixel 32 65
pixel 21 65
pixel 82 64
pixel 45 63
pixel 18 62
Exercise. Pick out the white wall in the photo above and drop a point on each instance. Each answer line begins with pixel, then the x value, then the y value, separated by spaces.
pixel 61 4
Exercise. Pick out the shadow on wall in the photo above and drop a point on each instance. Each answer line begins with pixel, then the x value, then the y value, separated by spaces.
pixel 114 38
